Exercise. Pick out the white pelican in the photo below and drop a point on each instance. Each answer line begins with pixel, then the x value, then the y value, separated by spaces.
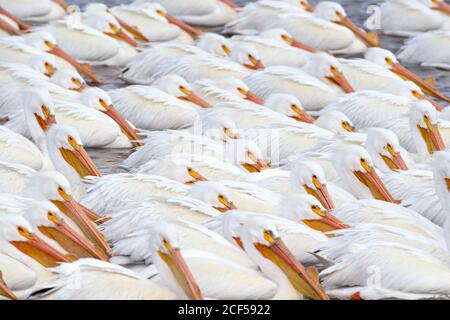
pixel 209 13
pixel 335 121
pixel 16 279
pixel 76 38
pixel 169 104
pixel 305 176
pixel 372 73
pixel 36 10
pixel 224 90
pixel 20 49
pixel 141 68
pixel 406 17
pixel 422 49
pixel 315 85
pixel 274 47
pixel 151 22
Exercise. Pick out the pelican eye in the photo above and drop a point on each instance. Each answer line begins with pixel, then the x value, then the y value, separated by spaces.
pixel 268 236
pixel 221 197
pixel 23 232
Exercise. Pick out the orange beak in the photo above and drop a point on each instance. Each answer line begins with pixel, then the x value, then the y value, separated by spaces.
pixel 339 79
pixel 184 26
pixel 395 162
pixel 230 3
pixel 62 4
pixel 194 98
pixel 9 28
pixel 443 7
pixel 372 181
pixel 130 132
pixel 4 290
pixel 132 30
pixel 258 65
pixel 432 138
pixel 84 68
pixel 406 74
pixel 80 161
pixel 253 98
pixel 22 25
pixel 301 45
pixel 371 40
pixel 122 36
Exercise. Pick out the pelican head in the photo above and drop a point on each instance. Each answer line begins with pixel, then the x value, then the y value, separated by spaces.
pixel 384 148
pixel 220 128
pixel 17 231
pixel 334 12
pixel 335 121
pixel 246 153
pixel 438 5
pixel 98 99
pixel 54 187
pixel 355 167
pixel 106 23
pixel 423 119
pixel 178 168
pixel 247 56
pixel 43 63
pixel 68 79
pixel 175 269
pixel 309 177
pixel 214 43
pixel 262 242
pixel 238 87
pixel 308 210
pixel 47 218
pixel 39 110
pixel 41 40
pixel 67 142
pixel 178 87
pixel 212 193
pixel 327 68
pixel 288 105
pixel 278 34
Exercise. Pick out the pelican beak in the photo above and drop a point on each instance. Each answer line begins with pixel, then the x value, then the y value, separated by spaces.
pixel 370 39
pixel 71 240
pixel 320 192
pixel 227 205
pixel 443 7
pixel 134 31
pixel 9 28
pixel 280 255
pixel 339 79
pixel 253 98
pixel 79 159
pixel 84 68
pixel 301 115
pixel 303 46
pixel 196 176
pixel 230 3
pixel 46 122
pixel 395 162
pixel 126 128
pixel 404 73
pixel 22 25
pixel 327 221
pixel 432 137
pixel 372 181
pixel 4 290
pixel 239 242
pixel 71 208
pixel 40 251
pixel 181 272
pixel 194 98
pixel 79 85
pixel 447 182
pixel 119 34
pixel 183 26
pixel 258 166
pixel 256 64
pixel 62 4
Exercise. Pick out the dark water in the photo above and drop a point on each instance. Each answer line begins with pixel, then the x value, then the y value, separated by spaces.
pixel 107 159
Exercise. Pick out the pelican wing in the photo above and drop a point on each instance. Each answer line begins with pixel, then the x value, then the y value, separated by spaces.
pixel 14 177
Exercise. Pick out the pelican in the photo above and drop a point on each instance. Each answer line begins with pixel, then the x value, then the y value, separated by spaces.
pixel 13 20
pixel 224 90
pixel 20 49
pixel 274 47
pixel 421 49
pixel 335 121
pixel 76 38
pixel 35 10
pixel 400 17
pixel 315 85
pixel 16 279
pixel 169 104
pixel 141 68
